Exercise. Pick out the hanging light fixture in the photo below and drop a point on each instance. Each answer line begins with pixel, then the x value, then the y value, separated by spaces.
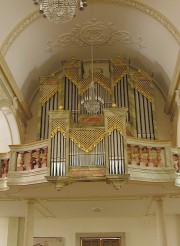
pixel 59 10
pixel 91 105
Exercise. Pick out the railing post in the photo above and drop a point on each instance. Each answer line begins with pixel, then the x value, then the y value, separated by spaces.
pixel 38 159
pixel 168 157
pixel 141 158
pixel 22 167
pixel 132 160
pixel 30 162
pixel 5 168
pixel 158 149
pixel 150 162
pixel 44 164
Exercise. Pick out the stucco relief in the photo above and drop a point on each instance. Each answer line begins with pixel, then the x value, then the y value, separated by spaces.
pixel 95 33
pixel 129 3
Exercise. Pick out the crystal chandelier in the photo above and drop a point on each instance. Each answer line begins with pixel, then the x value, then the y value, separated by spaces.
pixel 92 106
pixel 59 10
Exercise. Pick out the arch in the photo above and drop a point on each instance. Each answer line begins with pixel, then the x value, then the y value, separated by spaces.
pixel 9 132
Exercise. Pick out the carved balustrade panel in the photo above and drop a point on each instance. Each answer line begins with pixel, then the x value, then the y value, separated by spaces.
pixel 146 156
pixel 32 159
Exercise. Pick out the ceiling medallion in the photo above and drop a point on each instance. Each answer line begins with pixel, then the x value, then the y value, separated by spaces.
pixel 96 33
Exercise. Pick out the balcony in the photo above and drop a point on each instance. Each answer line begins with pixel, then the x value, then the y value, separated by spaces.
pixel 142 160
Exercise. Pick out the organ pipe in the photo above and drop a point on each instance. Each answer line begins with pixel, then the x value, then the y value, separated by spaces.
pixel 49 105
pixel 116 153
pixel 144 116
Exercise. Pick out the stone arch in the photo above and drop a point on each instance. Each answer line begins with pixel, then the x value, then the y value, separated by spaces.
pixel 9 131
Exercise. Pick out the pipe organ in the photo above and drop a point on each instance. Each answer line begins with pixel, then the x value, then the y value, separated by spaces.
pixel 79 139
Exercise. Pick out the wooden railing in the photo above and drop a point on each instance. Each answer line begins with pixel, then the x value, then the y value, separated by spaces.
pixel 176 159
pixel 149 153
pixel 4 164
pixel 140 152
pixel 28 156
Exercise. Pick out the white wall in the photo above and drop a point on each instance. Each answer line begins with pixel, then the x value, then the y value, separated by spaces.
pixel 3 231
pixel 139 231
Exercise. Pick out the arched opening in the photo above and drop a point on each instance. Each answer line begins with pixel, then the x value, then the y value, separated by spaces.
pixel 9 133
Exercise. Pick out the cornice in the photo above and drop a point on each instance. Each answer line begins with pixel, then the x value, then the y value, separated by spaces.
pixel 143 7
pixel 9 82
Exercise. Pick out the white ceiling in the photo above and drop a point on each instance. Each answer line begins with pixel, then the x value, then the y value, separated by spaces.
pixel 24 37
pixel 83 199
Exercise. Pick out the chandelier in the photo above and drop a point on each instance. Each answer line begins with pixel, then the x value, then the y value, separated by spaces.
pixel 59 10
pixel 91 105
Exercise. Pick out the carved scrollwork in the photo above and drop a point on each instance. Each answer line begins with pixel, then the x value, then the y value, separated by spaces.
pixel 95 33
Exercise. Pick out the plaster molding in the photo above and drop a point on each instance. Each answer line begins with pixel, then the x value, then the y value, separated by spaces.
pixel 20 27
pixel 10 84
pixel 95 33
pixel 145 8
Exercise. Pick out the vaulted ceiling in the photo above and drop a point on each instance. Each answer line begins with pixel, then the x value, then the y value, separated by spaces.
pixel 146 32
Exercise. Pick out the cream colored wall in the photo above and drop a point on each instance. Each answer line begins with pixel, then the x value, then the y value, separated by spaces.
pixel 3 231
pixel 139 231
pixel 32 124
pixel 173 230
pixel 163 122
pixel 12 231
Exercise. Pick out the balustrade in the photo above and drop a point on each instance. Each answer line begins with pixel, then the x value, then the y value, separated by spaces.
pixel 145 154
pixel 149 153
pixel 28 156
pixel 35 158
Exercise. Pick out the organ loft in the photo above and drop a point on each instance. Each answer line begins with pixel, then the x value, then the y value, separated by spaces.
pixel 87 111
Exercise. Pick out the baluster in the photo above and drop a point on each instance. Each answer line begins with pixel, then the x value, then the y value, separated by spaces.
pixel 44 164
pixel 5 168
pixel 141 160
pixel 150 162
pixel 38 159
pixel 158 149
pixel 177 163
pixel 21 162
pixel 30 161
pixel 132 160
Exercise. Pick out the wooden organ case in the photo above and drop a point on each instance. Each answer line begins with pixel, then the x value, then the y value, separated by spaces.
pixel 92 146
